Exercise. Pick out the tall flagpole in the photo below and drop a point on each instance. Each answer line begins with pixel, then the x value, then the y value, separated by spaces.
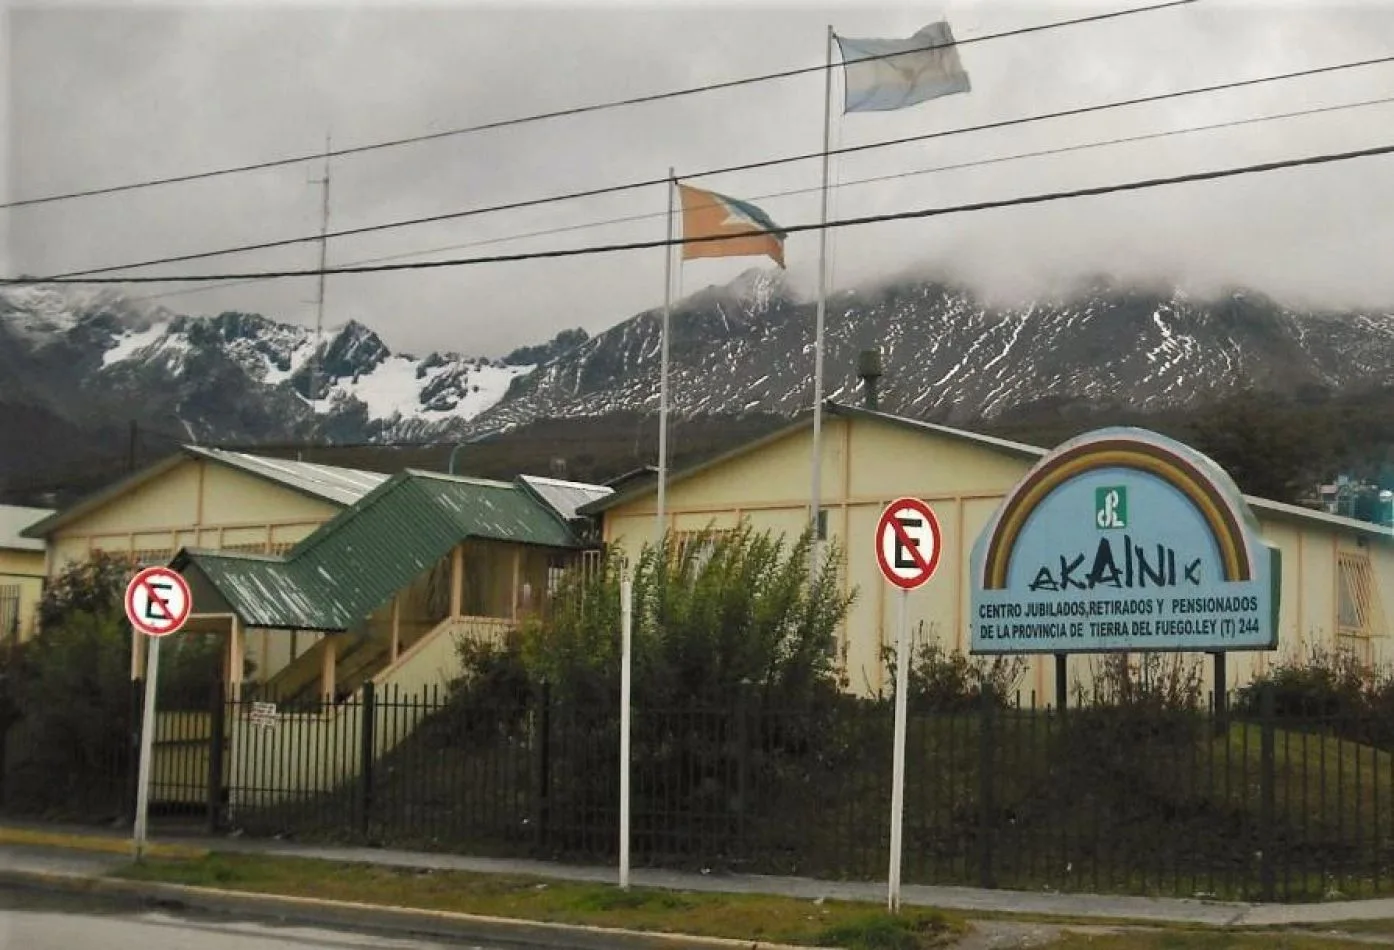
pixel 661 515
pixel 817 488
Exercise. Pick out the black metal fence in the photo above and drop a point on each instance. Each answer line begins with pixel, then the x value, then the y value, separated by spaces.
pixel 1254 804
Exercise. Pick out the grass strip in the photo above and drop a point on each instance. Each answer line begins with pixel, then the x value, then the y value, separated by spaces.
pixel 851 925
pixel 1196 940
pixel 100 843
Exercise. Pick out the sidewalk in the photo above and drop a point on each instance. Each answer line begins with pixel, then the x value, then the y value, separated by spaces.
pixel 965 900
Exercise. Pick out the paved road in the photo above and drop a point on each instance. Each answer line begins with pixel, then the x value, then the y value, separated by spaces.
pixel 32 921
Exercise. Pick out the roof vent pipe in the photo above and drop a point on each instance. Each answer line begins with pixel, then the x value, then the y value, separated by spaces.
pixel 869 372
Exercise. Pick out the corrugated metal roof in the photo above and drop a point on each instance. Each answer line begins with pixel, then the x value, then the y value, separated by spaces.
pixel 565 497
pixel 1019 449
pixel 13 520
pixel 356 561
pixel 267 591
pixel 342 486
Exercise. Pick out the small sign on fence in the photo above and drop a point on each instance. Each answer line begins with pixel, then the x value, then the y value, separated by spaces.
pixel 263 715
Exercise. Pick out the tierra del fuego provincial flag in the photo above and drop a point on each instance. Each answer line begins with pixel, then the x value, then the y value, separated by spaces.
pixel 881 75
pixel 706 214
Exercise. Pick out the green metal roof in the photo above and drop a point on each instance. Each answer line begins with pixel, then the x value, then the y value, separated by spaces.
pixel 263 591
pixel 356 561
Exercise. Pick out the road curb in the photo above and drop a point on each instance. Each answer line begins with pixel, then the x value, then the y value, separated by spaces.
pixel 105 844
pixel 397 920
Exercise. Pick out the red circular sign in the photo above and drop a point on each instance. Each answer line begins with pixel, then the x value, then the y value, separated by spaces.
pixel 158 601
pixel 908 543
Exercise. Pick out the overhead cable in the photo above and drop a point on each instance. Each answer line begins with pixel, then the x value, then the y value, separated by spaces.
pixel 561 113
pixel 1211 175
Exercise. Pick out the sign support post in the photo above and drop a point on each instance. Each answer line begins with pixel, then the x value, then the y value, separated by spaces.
pixel 902 679
pixel 147 737
pixel 1221 698
pixel 158 603
pixel 908 543
pixel 1062 688
pixel 626 687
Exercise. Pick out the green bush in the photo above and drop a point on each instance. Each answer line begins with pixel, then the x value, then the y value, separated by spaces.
pixel 720 616
pixel 941 680
pixel 66 694
pixel 734 676
pixel 1328 691
pixel 1324 684
pixel 94 586
pixel 72 691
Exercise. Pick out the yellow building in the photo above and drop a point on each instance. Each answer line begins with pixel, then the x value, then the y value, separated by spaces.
pixel 210 499
pixel 334 583
pixel 392 586
pixel 1338 574
pixel 21 573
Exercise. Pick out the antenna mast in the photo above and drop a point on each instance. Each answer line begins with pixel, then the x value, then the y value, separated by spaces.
pixel 318 368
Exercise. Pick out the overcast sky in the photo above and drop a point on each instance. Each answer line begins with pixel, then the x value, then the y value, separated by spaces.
pixel 108 93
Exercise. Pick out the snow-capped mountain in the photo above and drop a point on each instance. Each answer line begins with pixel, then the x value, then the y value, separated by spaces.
pixel 100 357
pixel 749 346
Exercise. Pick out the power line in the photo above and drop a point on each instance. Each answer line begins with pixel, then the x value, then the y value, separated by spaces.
pixel 564 113
pixel 1096 190
pixel 955 166
pixel 748 166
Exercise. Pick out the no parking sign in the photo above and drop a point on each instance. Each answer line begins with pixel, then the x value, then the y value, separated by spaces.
pixel 908 544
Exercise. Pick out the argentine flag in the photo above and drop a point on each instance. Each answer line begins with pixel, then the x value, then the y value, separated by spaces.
pixel 907 72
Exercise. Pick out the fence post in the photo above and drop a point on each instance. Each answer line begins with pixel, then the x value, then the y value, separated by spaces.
pixel 986 780
pixel 216 747
pixel 1267 779
pixel 368 710
pixel 1221 696
pixel 541 777
pixel 742 769
pixel 4 760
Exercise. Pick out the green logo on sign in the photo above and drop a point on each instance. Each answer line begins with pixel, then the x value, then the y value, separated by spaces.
pixel 1111 507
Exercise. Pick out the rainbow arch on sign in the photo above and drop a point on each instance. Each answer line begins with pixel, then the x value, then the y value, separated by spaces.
pixel 1114 451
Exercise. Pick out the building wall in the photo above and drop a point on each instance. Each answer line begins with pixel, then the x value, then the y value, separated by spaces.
pixel 24 572
pixel 869 464
pixel 195 504
pixel 200 504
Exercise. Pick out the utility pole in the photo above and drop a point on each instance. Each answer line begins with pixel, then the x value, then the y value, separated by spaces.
pixel 317 369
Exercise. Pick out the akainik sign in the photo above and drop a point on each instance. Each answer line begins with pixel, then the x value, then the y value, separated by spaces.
pixel 1124 540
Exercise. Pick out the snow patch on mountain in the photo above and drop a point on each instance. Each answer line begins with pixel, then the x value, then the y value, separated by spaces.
pixel 134 344
pixel 397 387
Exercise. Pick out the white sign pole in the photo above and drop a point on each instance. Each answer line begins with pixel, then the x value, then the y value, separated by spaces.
pixel 626 671
pixel 147 735
pixel 902 677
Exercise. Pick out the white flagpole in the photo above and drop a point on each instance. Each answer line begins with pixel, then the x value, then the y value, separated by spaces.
pixel 817 487
pixel 661 515
pixel 626 688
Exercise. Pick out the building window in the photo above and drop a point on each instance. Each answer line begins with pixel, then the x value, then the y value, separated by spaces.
pixel 254 548
pixel 556 574
pixel 1358 611
pixel 698 545
pixel 9 614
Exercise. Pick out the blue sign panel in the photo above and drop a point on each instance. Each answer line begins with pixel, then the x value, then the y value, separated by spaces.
pixel 1124 540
